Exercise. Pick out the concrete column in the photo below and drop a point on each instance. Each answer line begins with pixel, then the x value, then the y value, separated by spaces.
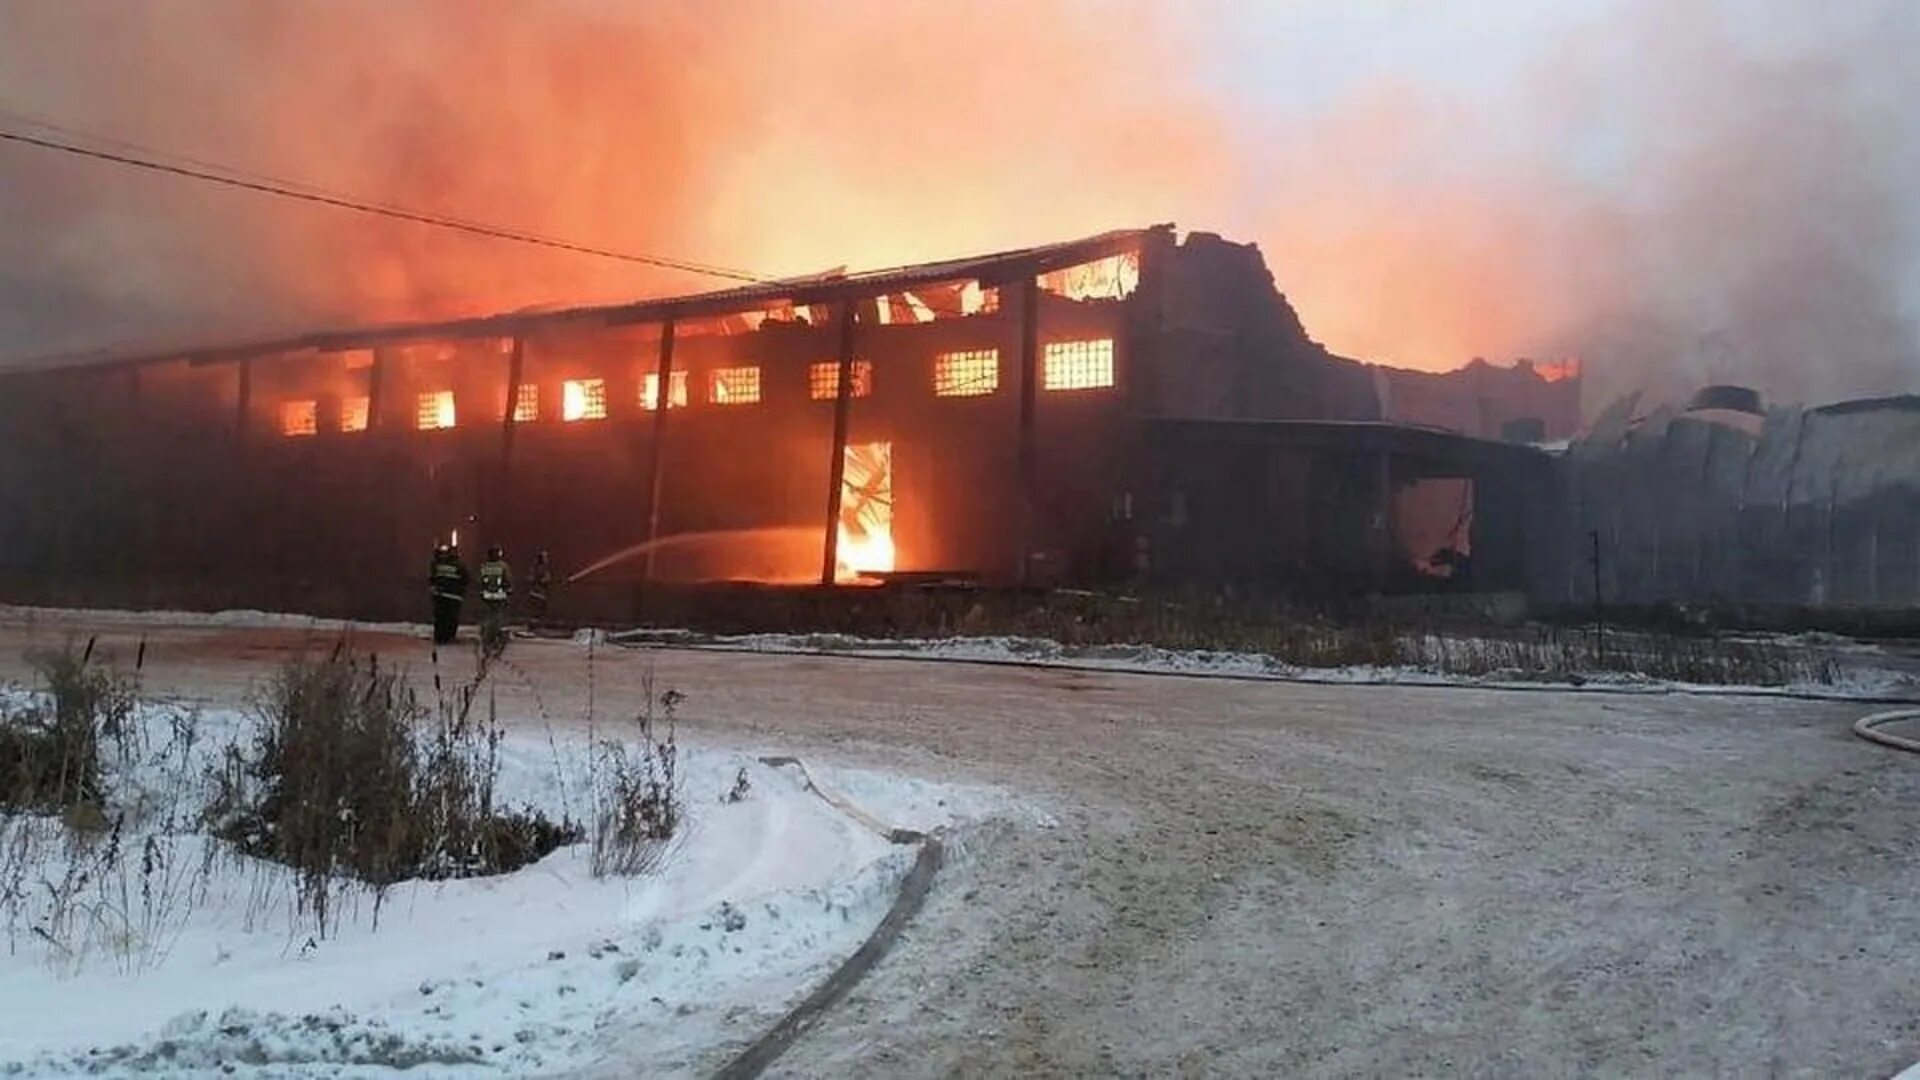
pixel 837 465
pixel 1029 400
pixel 662 401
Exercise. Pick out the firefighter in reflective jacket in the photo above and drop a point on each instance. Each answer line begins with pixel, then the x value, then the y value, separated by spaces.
pixel 447 584
pixel 496 588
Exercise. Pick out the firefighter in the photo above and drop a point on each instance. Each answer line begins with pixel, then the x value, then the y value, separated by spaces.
pixel 539 582
pixel 496 588
pixel 447 584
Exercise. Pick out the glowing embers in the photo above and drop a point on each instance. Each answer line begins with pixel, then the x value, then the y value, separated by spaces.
pixel 433 410
pixel 823 379
pixel 973 373
pixel 676 393
pixel 583 399
pixel 299 418
pixel 354 412
pixel 1558 370
pixel 526 403
pixel 733 386
pixel 1077 365
pixel 865 543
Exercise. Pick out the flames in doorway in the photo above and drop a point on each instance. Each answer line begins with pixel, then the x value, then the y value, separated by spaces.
pixel 866 512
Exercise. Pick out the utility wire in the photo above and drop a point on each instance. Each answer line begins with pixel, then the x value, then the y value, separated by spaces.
pixel 290 190
pixel 160 155
pixel 146 157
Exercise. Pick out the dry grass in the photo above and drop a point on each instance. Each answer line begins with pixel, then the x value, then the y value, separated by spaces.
pixel 50 749
pixel 637 799
pixel 348 777
pixel 91 862
pixel 1292 635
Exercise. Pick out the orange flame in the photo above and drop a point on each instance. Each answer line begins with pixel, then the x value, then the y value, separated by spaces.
pixel 866 513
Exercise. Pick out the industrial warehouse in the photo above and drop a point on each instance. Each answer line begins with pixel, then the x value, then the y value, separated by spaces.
pixel 1129 408
pixel 879 538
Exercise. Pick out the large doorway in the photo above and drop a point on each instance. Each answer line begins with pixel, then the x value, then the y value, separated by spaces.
pixel 866 512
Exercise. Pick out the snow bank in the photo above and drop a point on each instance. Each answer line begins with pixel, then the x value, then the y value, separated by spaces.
pixel 1862 682
pixel 240 619
pixel 542 970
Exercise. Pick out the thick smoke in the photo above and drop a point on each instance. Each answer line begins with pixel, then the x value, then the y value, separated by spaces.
pixel 1677 193
pixel 778 136
pixel 1769 233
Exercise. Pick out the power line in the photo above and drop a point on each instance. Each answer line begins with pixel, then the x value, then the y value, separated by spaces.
pixel 146 157
pixel 96 138
pixel 306 193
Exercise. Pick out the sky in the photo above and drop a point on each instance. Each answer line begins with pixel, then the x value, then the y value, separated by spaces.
pixel 1676 192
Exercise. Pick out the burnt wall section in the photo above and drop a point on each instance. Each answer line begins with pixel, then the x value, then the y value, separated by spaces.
pixel 1230 346
pixel 1802 509
pixel 1316 508
pixel 1485 400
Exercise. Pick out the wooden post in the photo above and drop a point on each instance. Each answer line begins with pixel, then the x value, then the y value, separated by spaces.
pixel 1029 399
pixel 502 515
pixel 1382 523
pixel 662 401
pixel 246 397
pixel 1599 604
pixel 516 357
pixel 376 376
pixel 837 465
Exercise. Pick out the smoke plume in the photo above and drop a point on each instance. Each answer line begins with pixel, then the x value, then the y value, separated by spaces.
pixel 1676 193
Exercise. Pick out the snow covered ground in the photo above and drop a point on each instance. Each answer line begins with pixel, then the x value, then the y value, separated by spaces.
pixel 1232 876
pixel 188 958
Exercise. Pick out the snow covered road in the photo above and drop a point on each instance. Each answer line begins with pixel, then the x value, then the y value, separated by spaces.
pixel 1217 877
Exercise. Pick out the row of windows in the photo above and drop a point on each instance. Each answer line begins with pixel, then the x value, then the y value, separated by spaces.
pixel 1066 365
pixel 303 417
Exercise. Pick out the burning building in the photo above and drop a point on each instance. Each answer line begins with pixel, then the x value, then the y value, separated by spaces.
pixel 1128 407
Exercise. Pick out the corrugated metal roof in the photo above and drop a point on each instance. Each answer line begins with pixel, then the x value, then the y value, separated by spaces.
pixel 995 268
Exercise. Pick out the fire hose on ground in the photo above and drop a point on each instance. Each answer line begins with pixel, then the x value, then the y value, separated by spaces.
pixel 753 1060
pixel 1869 728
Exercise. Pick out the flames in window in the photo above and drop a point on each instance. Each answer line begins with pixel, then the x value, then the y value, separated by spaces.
pixel 353 413
pixel 865 544
pixel 434 410
pixel 583 399
pixel 1112 278
pixel 972 373
pixel 823 379
pixel 299 418
pixel 676 395
pixel 904 307
pixel 734 386
pixel 1077 365
pixel 526 403
pixel 976 299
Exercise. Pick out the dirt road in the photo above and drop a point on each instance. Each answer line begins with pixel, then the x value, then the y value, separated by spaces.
pixel 1280 880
